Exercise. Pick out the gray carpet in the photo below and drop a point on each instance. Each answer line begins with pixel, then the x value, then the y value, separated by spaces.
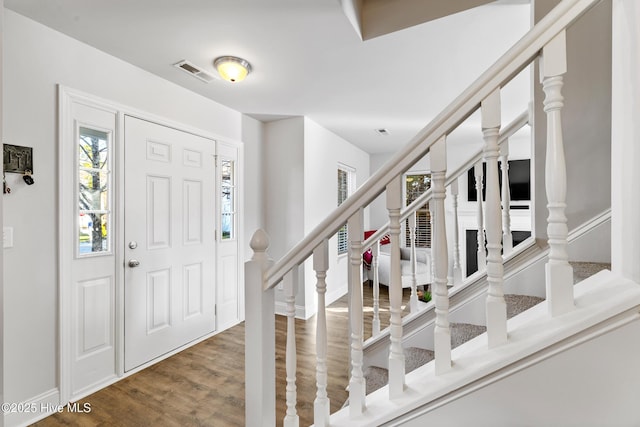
pixel 582 270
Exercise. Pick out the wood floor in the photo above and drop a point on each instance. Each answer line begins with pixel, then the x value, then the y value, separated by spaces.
pixel 204 385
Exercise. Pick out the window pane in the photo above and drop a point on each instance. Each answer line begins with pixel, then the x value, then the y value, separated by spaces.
pixel 416 185
pixel 93 149
pixel 93 233
pixel 344 189
pixel 228 200
pixel 93 186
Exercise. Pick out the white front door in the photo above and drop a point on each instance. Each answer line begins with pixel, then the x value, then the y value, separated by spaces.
pixel 169 239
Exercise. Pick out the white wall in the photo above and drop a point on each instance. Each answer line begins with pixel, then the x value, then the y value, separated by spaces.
pixel 254 188
pixel 1 221
pixel 36 60
pixel 586 118
pixel 625 139
pixel 323 152
pixel 301 161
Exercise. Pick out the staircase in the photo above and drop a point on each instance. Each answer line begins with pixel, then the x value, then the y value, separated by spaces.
pixel 377 377
pixel 523 334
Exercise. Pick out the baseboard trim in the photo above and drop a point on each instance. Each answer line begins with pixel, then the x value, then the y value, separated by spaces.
pixel 22 414
pixel 281 310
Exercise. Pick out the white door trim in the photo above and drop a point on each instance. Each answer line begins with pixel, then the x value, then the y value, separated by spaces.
pixel 66 169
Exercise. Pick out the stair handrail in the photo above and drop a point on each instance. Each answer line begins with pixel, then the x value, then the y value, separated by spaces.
pixel 502 71
pixel 508 131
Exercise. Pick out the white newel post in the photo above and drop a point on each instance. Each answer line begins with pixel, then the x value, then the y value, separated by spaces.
pixel 507 237
pixel 290 285
pixel 439 251
pixel 321 406
pixel 396 353
pixel 260 336
pixel 357 390
pixel 375 252
pixel 413 299
pixel 496 305
pixel 559 274
pixel 482 257
pixel 457 269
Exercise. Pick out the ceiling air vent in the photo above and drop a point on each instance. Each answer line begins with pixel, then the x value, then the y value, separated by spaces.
pixel 195 71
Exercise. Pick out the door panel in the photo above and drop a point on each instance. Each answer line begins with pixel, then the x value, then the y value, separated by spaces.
pixel 169 240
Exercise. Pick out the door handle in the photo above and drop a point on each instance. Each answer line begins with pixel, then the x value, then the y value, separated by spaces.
pixel 134 263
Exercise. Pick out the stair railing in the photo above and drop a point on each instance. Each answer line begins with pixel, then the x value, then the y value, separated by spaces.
pixel 547 39
pixel 408 214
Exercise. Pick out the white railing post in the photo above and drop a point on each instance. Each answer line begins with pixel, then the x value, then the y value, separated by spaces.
pixel 457 269
pixel 375 252
pixel 496 305
pixel 482 257
pixel 357 390
pixel 321 406
pixel 439 252
pixel 413 299
pixel 260 351
pixel 290 285
pixel 396 353
pixel 559 274
pixel 507 238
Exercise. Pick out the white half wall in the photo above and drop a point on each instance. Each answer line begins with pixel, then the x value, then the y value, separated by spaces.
pixel 593 384
pixel 36 59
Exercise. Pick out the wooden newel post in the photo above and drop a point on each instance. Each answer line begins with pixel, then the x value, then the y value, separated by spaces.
pixel 260 352
pixel 559 274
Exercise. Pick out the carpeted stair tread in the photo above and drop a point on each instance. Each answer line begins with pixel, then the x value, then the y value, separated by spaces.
pixel 516 304
pixel 463 332
pixel 415 357
pixel 582 270
pixel 375 378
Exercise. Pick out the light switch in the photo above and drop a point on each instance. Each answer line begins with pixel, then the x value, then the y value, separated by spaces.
pixel 7 237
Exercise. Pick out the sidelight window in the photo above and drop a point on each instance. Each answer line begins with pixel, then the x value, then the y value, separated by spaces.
pixel 228 200
pixel 94 192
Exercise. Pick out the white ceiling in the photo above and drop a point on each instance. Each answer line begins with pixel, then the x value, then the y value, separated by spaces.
pixel 307 58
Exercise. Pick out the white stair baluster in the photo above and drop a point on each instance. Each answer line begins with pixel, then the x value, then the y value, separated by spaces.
pixel 375 251
pixel 413 299
pixel 496 305
pixel 396 353
pixel 290 285
pixel 442 332
pixel 260 338
pixel 357 391
pixel 507 237
pixel 457 269
pixel 482 256
pixel 559 274
pixel 321 405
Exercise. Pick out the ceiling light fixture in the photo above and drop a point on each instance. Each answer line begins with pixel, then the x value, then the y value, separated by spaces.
pixel 232 68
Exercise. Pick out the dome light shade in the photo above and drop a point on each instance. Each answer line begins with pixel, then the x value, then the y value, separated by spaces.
pixel 231 68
